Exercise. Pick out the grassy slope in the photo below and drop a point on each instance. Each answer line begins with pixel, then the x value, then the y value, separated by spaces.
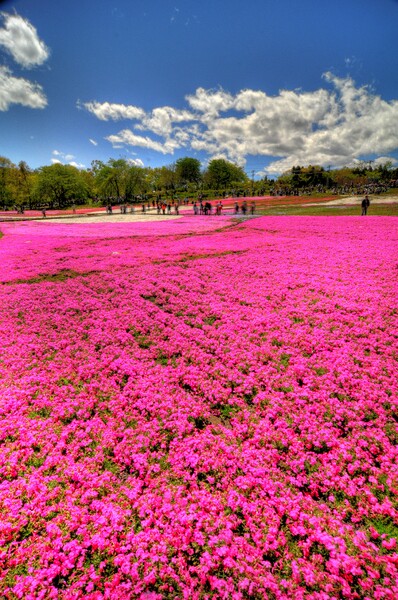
pixel 375 209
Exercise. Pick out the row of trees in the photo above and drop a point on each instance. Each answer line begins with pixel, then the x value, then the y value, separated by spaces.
pixel 299 178
pixel 60 185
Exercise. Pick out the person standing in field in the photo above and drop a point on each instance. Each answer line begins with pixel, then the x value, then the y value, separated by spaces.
pixel 365 205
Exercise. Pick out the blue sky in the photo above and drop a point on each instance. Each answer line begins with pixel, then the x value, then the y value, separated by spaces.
pixel 266 84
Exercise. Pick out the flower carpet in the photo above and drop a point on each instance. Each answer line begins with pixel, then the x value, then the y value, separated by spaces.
pixel 200 408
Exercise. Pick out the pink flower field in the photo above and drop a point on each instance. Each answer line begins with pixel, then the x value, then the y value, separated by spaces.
pixel 199 408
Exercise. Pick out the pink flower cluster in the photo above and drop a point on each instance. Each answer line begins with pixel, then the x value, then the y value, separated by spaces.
pixel 199 414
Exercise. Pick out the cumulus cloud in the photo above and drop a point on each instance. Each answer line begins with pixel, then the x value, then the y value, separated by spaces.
pixel 129 138
pixel 20 39
pixel 66 157
pixel 16 90
pixel 333 125
pixel 62 158
pixel 107 111
pixel 135 162
pixel 384 160
pixel 210 103
pixel 161 120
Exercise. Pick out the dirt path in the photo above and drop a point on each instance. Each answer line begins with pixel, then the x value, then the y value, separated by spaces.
pixel 354 201
pixel 102 217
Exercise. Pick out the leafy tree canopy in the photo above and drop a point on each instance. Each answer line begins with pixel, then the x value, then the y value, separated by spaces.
pixel 188 170
pixel 61 184
pixel 221 173
pixel 119 178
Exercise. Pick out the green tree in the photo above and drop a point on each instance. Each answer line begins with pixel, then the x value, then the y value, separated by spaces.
pixel 346 176
pixel 136 181
pixel 60 185
pixel 222 173
pixel 21 183
pixel 119 178
pixel 111 177
pixel 6 171
pixel 188 170
pixel 164 178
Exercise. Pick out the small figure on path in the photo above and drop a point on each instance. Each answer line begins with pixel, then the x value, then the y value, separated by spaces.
pixel 365 205
pixel 43 212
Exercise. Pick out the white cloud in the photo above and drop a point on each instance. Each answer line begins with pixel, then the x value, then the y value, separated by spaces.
pixel 209 102
pixel 21 40
pixel 131 139
pixel 160 120
pixel 135 162
pixel 16 90
pixel 334 125
pixel 106 111
pixel 63 158
pixel 93 142
pixel 66 157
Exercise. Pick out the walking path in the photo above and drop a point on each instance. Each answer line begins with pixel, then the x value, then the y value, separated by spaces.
pixel 100 216
pixel 355 201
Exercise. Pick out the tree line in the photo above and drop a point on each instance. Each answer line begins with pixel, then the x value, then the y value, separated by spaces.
pixel 119 180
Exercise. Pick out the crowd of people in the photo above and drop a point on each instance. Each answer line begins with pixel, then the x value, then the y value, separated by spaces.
pixel 200 205
pixel 169 207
